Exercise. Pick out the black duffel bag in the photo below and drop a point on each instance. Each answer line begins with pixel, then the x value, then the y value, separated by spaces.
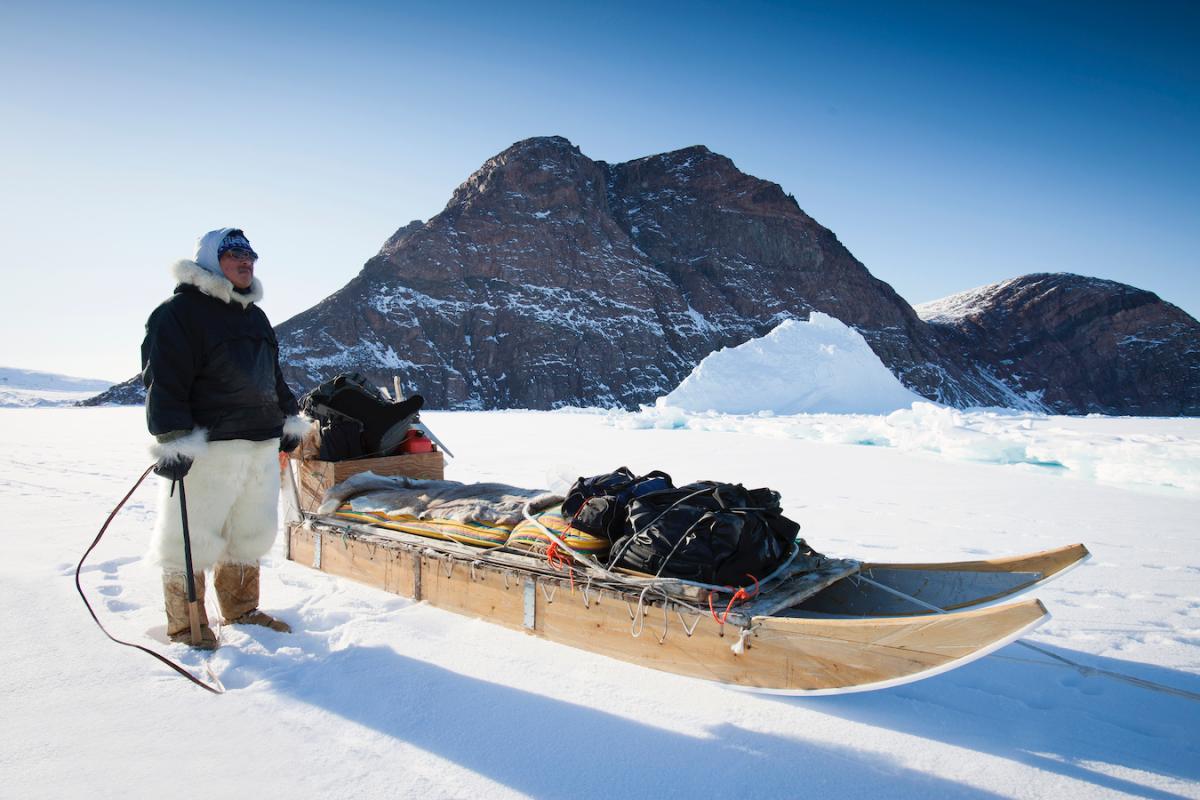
pixel 716 533
pixel 597 505
pixel 357 419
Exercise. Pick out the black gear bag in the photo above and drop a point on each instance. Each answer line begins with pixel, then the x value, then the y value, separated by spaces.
pixel 597 505
pixel 716 533
pixel 357 420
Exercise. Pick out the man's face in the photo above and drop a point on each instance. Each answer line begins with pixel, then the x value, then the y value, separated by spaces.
pixel 238 266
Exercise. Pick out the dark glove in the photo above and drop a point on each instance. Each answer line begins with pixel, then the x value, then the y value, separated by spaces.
pixel 288 442
pixel 173 467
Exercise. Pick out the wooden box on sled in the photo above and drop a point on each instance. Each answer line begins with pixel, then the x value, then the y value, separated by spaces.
pixel 314 477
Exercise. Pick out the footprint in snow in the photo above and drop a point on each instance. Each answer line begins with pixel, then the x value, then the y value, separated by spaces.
pixel 110 591
pixel 117 606
pixel 108 568
pixel 111 566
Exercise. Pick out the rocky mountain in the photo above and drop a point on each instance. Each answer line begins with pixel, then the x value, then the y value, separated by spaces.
pixel 551 279
pixel 125 393
pixel 1078 345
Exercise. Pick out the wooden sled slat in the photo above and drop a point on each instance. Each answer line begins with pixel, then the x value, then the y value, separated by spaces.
pixel 948 586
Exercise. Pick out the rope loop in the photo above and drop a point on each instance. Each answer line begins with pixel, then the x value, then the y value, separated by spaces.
pixel 738 596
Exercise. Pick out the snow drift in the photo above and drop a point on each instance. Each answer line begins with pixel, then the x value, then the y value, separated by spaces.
pixel 822 365
pixel 1133 452
pixel 27 388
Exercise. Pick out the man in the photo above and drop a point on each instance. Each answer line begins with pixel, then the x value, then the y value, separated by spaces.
pixel 221 413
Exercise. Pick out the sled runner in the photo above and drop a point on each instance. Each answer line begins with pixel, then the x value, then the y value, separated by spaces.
pixel 816 626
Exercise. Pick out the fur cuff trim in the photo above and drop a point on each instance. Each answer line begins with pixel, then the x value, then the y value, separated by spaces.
pixel 215 285
pixel 190 446
pixel 297 426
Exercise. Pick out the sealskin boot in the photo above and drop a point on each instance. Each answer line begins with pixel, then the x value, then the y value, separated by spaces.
pixel 237 592
pixel 179 627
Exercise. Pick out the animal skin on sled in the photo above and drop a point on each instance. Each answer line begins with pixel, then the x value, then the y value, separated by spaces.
pixel 490 503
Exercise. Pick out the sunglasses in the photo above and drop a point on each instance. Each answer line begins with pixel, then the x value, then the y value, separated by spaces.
pixel 241 254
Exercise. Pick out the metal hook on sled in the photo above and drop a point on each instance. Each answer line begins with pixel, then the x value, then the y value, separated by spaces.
pixel 666 623
pixel 689 629
pixel 638 622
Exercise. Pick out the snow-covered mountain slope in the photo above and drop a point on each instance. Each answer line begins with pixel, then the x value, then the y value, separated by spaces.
pixel 1074 344
pixel 376 696
pixel 952 309
pixel 26 388
pixel 821 365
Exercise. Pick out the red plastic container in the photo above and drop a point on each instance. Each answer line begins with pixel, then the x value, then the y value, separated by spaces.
pixel 415 442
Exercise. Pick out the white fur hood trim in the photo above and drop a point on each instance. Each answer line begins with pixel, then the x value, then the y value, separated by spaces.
pixel 214 285
pixel 190 446
pixel 297 426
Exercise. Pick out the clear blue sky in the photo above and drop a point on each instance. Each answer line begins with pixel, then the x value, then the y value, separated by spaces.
pixel 948 145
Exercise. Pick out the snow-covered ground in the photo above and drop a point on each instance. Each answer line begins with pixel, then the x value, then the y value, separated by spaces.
pixel 376 696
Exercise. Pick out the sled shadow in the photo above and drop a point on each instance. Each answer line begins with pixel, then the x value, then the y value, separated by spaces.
pixel 545 747
pixel 1046 716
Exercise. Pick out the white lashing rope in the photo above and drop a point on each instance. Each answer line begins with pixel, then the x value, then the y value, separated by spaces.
pixel 898 593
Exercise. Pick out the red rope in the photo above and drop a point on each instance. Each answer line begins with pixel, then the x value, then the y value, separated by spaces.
pixel 560 561
pixel 557 559
pixel 738 596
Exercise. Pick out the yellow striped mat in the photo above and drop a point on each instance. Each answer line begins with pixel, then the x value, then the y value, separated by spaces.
pixel 473 533
pixel 530 537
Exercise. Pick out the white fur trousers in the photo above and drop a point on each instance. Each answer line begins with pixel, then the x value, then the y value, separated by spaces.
pixel 232 502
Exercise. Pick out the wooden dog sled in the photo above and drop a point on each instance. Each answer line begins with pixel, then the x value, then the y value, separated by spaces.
pixel 820 626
